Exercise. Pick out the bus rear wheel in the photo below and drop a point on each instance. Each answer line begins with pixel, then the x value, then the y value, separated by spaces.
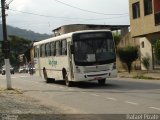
pixel 50 80
pixel 45 74
pixel 102 82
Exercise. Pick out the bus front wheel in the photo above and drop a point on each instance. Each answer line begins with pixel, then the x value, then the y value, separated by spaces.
pixel 102 82
pixel 65 78
pixel 68 83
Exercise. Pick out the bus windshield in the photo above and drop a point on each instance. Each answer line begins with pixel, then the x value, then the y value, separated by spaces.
pixel 94 48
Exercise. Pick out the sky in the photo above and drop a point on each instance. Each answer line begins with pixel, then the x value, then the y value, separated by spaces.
pixel 42 16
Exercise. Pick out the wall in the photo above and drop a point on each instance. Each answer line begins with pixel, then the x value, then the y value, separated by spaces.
pixel 146 51
pixel 143 25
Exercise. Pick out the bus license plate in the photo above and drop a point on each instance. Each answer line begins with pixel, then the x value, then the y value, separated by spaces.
pixel 97 78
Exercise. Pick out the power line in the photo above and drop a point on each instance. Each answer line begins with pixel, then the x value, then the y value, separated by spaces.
pixel 87 10
pixel 68 18
pixel 9 2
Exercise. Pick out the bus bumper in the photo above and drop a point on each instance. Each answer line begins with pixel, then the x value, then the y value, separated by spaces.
pixel 95 75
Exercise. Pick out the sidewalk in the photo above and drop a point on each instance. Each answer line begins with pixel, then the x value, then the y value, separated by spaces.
pixel 151 75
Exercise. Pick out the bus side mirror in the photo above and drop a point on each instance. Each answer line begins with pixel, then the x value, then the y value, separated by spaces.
pixel 72 49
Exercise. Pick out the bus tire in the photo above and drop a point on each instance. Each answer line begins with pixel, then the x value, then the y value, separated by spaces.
pixel 65 78
pixel 45 74
pixel 50 80
pixel 102 82
pixel 68 83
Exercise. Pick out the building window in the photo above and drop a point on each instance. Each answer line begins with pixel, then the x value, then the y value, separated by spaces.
pixel 147 7
pixel 136 10
pixel 157 11
pixel 142 44
pixel 157 18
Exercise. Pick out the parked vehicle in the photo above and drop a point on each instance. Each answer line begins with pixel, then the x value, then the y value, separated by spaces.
pixel 23 69
pixel 3 71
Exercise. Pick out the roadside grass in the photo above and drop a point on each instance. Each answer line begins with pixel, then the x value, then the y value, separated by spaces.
pixel 10 91
pixel 141 76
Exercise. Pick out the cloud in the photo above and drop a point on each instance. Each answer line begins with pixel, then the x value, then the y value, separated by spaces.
pixel 20 4
pixel 60 11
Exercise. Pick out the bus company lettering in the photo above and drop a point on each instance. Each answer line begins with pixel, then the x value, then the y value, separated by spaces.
pixel 52 62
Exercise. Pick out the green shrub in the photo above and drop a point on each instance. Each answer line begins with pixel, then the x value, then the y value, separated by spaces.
pixel 128 55
pixel 142 77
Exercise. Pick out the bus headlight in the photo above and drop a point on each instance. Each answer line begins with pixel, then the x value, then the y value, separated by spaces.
pixel 114 66
pixel 78 70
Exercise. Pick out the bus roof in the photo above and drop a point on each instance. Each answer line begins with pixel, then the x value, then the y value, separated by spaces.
pixel 68 35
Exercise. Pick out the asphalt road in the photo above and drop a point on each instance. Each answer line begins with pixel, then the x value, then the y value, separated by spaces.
pixel 118 96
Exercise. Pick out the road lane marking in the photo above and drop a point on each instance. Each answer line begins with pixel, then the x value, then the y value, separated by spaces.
pixel 95 95
pixel 109 98
pixel 133 103
pixel 70 89
pixel 61 87
pixel 19 77
pixel 83 92
pixel 155 108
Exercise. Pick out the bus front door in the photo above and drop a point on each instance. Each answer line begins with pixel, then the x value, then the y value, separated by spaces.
pixel 70 62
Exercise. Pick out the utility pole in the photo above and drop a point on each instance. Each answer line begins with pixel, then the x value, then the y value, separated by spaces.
pixel 6 46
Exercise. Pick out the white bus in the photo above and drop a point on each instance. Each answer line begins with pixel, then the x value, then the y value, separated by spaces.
pixel 77 56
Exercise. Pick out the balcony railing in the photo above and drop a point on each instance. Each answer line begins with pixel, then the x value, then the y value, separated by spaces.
pixel 157 18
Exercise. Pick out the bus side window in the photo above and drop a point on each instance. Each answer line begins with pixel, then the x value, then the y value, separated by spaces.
pixel 53 51
pixel 48 49
pixel 64 47
pixel 35 52
pixel 58 48
pixel 42 51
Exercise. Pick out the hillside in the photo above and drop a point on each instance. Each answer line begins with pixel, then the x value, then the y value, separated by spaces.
pixel 30 35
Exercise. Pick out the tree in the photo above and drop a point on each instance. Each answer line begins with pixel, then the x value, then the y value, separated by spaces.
pixel 157 49
pixel 128 55
pixel 117 39
pixel 18 46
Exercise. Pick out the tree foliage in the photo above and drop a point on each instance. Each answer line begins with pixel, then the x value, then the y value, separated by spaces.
pixel 157 49
pixel 128 55
pixel 18 46
pixel 117 38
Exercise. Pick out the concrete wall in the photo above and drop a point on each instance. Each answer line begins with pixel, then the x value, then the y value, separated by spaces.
pixel 146 51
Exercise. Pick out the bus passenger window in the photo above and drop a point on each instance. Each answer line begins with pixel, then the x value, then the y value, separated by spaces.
pixel 53 49
pixel 48 49
pixel 35 52
pixel 58 48
pixel 64 47
pixel 42 51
